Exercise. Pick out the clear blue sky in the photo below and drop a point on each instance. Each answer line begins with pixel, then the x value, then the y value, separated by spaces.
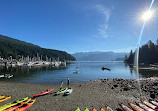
pixel 78 25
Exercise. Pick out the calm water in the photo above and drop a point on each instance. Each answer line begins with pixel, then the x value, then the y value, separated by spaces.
pixel 87 71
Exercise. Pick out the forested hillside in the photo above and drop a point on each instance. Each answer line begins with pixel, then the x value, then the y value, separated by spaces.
pixel 148 54
pixel 16 48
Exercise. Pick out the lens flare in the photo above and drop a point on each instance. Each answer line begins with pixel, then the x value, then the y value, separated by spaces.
pixel 147 15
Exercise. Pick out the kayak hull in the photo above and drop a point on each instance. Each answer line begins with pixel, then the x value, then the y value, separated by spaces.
pixel 5 98
pixel 43 93
pixel 26 106
pixel 68 92
pixel 12 104
pixel 61 91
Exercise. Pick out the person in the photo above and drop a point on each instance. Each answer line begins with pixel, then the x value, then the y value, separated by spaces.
pixel 68 83
pixel 61 85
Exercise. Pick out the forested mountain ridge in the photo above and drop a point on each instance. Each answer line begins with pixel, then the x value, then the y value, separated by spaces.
pixel 16 48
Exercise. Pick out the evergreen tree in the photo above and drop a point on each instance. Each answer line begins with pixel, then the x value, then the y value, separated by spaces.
pixel 148 54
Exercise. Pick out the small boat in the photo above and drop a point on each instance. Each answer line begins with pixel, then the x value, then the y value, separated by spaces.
pixel 12 104
pixel 135 107
pixel 150 105
pixel 93 109
pixel 43 93
pixel 154 103
pixel 77 109
pixel 62 91
pixel 68 92
pixel 2 96
pixel 144 107
pixel 104 68
pixel 108 108
pixel 2 76
pixel 9 76
pixel 6 75
pixel 125 108
pixel 5 98
pixel 12 108
pixel 101 109
pixel 25 106
pixel 86 109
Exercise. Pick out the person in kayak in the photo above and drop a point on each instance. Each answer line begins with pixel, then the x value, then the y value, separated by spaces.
pixel 61 85
pixel 68 83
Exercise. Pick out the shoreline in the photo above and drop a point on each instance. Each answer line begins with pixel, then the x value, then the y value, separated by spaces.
pixel 86 94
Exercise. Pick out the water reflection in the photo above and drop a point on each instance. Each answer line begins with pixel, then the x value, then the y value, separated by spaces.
pixel 24 73
pixel 145 71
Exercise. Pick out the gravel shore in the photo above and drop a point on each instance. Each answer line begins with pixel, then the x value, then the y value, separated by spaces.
pixel 88 94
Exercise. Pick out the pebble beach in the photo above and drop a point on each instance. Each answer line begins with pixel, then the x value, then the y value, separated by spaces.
pixel 87 94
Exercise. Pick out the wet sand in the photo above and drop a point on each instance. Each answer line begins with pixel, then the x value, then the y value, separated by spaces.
pixel 88 94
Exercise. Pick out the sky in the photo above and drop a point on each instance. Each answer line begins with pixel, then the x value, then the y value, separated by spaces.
pixel 79 25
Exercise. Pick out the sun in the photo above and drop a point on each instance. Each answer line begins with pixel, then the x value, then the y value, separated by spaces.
pixel 147 15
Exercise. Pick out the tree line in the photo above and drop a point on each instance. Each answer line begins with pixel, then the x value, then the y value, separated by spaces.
pixel 16 48
pixel 148 54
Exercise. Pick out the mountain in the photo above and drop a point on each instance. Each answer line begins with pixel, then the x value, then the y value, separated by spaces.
pixel 15 48
pixel 99 56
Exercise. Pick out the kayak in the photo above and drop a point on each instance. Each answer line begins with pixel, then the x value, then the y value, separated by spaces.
pixel 101 109
pixel 2 76
pixel 154 103
pixel 68 92
pixel 150 105
pixel 61 91
pixel 43 93
pixel 135 107
pixel 5 98
pixel 2 96
pixel 10 76
pixel 144 107
pixel 25 106
pixel 12 108
pixel 12 104
pixel 77 109
pixel 86 109
pixel 93 109
pixel 108 108
pixel 125 108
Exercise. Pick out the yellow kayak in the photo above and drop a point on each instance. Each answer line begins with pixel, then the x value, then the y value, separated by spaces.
pixel 5 98
pixel 2 96
pixel 93 109
pixel 101 109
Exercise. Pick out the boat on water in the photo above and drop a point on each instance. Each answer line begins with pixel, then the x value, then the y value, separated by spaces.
pixel 104 68
pixel 6 76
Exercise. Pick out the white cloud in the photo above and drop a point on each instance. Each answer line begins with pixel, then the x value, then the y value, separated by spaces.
pixel 103 27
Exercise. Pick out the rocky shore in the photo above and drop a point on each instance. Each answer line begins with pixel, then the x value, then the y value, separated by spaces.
pixel 88 94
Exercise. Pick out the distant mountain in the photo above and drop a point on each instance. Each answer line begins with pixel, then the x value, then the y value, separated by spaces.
pixel 99 56
pixel 13 47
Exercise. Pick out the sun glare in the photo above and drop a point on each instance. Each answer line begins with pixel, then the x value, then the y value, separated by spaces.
pixel 147 15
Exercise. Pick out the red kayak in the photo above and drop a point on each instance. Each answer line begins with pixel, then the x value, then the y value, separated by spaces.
pixel 43 93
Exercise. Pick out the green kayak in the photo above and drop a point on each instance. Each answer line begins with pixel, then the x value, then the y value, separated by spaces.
pixel 86 109
pixel 62 90
pixel 77 109
pixel 12 104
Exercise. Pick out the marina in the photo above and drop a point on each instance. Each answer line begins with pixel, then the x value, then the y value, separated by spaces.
pixel 30 62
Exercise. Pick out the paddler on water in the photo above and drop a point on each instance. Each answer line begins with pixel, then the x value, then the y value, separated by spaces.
pixel 68 83
pixel 61 85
